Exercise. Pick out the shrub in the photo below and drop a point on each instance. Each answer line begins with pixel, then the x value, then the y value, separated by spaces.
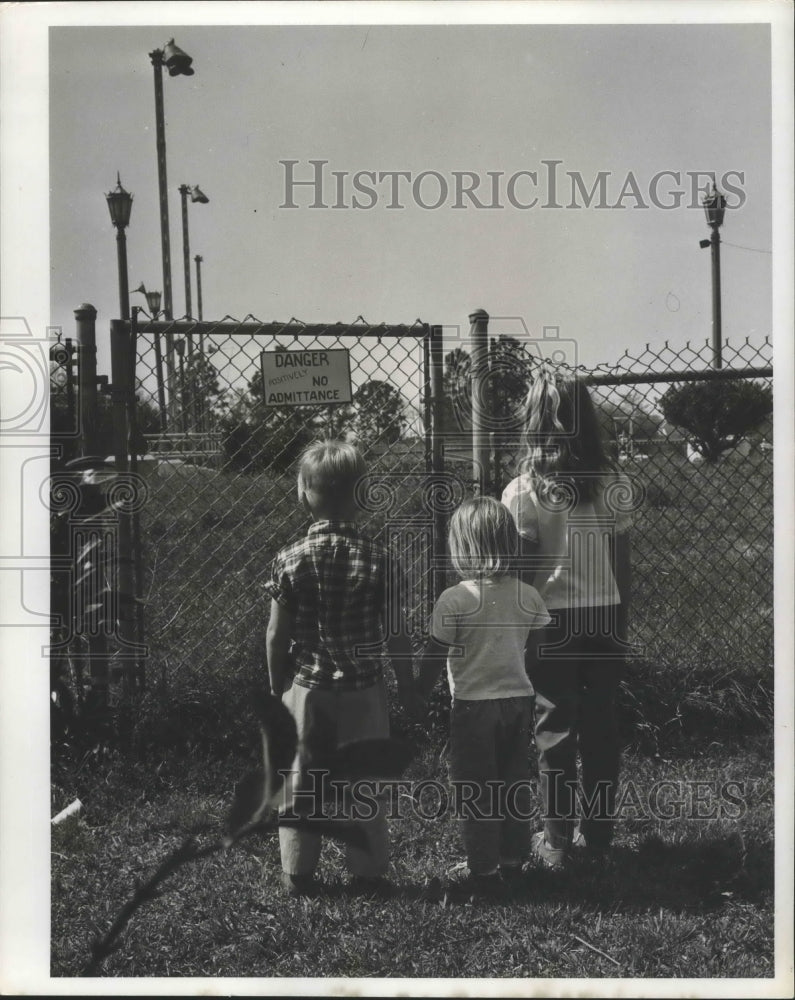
pixel 715 415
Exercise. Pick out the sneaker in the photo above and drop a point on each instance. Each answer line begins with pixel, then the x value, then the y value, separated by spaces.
pixel 551 857
pixel 371 886
pixel 468 887
pixel 300 885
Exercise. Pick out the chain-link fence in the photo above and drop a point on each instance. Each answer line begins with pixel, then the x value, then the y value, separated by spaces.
pixel 215 460
pixel 220 464
pixel 696 441
pixel 223 494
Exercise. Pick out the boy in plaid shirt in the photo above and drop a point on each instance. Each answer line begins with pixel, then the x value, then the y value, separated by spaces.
pixel 332 593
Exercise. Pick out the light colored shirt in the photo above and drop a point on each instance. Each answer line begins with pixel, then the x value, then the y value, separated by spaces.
pixel 573 540
pixel 485 623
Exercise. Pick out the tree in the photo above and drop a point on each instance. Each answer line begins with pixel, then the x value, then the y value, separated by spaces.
pixel 200 390
pixel 716 415
pixel 457 392
pixel 510 375
pixel 626 411
pixel 379 414
pixel 258 437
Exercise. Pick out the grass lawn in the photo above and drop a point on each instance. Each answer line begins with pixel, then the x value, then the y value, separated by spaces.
pixel 683 897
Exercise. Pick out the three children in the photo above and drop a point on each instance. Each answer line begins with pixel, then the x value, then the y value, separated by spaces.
pixel 333 592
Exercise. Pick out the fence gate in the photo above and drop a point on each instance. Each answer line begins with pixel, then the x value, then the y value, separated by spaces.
pixel 219 463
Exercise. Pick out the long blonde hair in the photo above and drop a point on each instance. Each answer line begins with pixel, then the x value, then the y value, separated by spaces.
pixel 483 539
pixel 562 437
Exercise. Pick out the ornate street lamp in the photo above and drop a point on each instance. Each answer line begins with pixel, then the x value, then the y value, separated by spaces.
pixel 196 195
pixel 714 208
pixel 152 300
pixel 120 207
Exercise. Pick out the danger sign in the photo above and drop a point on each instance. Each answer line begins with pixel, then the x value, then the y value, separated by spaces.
pixel 306 378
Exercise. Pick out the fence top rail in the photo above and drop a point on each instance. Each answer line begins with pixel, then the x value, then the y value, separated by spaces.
pixel 231 327
pixel 688 375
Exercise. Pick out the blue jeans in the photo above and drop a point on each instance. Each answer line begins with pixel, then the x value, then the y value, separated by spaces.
pixel 576 665
pixel 489 744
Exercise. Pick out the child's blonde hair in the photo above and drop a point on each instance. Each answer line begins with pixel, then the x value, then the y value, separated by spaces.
pixel 331 470
pixel 483 539
pixel 562 436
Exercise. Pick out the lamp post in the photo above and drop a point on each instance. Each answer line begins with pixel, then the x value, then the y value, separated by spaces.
pixel 120 206
pixel 178 63
pixel 196 195
pixel 714 208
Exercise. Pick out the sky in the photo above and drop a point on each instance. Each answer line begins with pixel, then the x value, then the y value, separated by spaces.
pixel 630 100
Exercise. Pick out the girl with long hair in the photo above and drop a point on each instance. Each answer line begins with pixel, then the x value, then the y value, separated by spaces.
pixel 573 510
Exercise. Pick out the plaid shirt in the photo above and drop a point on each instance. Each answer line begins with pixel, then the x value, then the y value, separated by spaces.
pixel 334 583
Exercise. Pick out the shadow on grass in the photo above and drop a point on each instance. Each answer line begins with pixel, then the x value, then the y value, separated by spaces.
pixel 693 875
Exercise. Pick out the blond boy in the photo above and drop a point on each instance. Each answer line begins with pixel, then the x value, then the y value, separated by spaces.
pixel 332 593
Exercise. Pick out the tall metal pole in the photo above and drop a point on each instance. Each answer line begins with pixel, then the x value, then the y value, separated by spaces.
pixel 204 414
pixel 714 205
pixel 198 258
pixel 717 341
pixel 165 237
pixel 124 287
pixel 183 191
pixel 481 450
pixel 135 525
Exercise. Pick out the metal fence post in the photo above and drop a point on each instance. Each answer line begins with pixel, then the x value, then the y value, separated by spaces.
pixel 436 364
pixel 137 541
pixel 121 370
pixel 717 353
pixel 481 450
pixel 86 336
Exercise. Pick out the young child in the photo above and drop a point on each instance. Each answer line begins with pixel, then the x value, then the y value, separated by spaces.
pixel 479 628
pixel 572 513
pixel 330 598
